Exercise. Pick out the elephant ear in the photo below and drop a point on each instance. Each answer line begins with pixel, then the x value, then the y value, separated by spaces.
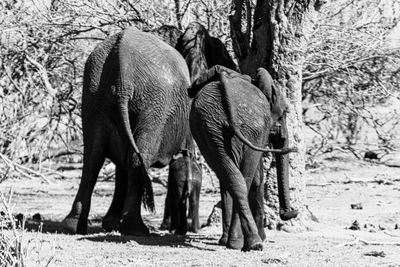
pixel 192 47
pixel 217 54
pixel 274 95
pixel 211 75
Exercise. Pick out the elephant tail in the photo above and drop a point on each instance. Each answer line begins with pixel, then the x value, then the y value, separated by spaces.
pixel 148 196
pixel 225 79
pixel 242 138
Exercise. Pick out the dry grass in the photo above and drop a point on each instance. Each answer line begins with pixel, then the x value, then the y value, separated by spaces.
pixel 15 249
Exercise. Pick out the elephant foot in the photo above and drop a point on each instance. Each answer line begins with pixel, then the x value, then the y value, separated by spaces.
pixel 179 232
pixel 166 224
pixel 71 225
pixel 235 242
pixel 137 228
pixel 289 214
pixel 261 233
pixel 223 240
pixel 253 243
pixel 110 223
pixel 194 227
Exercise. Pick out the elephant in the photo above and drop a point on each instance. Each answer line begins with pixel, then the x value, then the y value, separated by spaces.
pixel 232 119
pixel 135 112
pixel 202 51
pixel 184 185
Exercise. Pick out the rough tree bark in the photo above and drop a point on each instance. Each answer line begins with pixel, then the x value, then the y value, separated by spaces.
pixel 278 43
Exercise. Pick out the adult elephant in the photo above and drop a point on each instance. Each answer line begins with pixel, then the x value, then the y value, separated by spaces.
pixel 134 111
pixel 232 121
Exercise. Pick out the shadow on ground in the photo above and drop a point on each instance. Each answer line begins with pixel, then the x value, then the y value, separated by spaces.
pixel 49 226
pixel 155 239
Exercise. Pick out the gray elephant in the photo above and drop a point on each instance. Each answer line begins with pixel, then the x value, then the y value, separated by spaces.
pixel 232 120
pixel 135 112
pixel 183 196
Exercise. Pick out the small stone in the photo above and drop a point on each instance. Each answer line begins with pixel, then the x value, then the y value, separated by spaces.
pixel 355 226
pixel 356 206
pixel 20 218
pixel 37 217
pixel 370 155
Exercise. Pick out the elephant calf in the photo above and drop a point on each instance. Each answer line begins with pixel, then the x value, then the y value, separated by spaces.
pixel 184 184
pixel 232 119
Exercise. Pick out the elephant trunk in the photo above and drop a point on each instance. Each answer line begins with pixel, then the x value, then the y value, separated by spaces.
pixel 280 140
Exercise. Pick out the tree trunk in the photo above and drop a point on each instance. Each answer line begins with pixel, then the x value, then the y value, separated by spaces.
pixel 278 44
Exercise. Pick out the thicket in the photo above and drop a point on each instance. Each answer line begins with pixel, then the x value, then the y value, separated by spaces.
pixel 351 69
pixel 351 78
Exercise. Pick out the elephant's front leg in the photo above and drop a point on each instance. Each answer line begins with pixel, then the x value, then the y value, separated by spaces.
pixel 111 220
pixel 132 222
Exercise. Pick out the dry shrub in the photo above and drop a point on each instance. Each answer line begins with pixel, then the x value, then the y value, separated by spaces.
pixel 16 250
pixel 351 77
pixel 43 47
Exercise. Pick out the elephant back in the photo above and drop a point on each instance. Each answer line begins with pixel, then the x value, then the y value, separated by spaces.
pixel 251 109
pixel 147 63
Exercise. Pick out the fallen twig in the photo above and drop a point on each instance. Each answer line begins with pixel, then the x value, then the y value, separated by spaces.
pixel 389 234
pixel 21 169
pixel 368 243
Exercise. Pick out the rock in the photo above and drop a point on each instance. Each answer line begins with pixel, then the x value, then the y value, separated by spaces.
pixel 370 227
pixel 355 226
pixel 19 218
pixel 356 206
pixel 370 155
pixel 37 217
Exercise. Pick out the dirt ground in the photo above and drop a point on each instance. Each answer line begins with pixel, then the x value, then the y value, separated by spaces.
pixel 337 183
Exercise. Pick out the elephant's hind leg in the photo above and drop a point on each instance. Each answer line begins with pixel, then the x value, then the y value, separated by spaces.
pixel 256 200
pixel 112 219
pixel 93 159
pixel 235 183
pixel 132 222
pixel 227 208
pixel 251 168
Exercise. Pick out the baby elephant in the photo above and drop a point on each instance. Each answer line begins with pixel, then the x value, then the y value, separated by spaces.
pixel 184 183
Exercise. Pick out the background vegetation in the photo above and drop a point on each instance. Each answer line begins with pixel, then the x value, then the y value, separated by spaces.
pixel 350 80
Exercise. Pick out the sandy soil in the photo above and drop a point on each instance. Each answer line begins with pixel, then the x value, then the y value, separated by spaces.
pixel 337 183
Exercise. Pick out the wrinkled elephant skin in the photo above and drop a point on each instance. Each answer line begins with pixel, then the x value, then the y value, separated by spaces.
pixel 134 93
pixel 184 185
pixel 230 101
